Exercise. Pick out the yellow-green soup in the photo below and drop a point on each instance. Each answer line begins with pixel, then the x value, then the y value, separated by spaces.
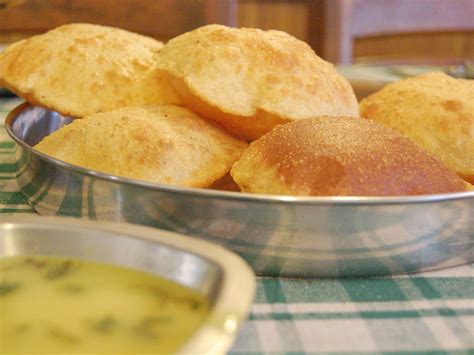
pixel 69 306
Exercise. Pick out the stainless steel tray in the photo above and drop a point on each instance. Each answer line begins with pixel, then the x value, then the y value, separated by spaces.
pixel 277 235
pixel 219 275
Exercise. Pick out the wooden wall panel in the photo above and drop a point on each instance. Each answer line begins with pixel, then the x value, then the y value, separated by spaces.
pixel 288 16
pixel 302 19
pixel 163 19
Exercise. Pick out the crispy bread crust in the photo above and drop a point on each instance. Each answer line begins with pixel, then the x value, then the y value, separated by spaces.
pixel 249 80
pixel 82 69
pixel 161 144
pixel 340 156
pixel 436 111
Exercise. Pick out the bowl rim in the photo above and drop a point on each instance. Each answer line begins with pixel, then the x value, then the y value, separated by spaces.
pixel 238 282
pixel 227 195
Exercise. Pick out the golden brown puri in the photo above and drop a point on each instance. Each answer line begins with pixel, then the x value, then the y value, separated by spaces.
pixel 82 69
pixel 340 156
pixel 161 144
pixel 250 80
pixel 434 110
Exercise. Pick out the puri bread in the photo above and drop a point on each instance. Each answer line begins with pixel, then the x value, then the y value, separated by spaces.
pixel 162 144
pixel 436 111
pixel 82 69
pixel 340 156
pixel 250 80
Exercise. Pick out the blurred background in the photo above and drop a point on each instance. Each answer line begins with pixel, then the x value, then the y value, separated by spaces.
pixel 372 42
pixel 341 31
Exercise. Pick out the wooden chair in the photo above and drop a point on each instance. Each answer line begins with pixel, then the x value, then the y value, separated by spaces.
pixel 161 19
pixel 349 20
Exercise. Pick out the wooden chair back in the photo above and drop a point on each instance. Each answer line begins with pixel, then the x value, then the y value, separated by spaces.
pixel 349 20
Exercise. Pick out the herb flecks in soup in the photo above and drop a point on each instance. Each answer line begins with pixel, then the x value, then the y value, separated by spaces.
pixel 60 305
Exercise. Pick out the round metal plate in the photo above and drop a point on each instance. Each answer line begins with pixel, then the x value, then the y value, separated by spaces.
pixel 277 235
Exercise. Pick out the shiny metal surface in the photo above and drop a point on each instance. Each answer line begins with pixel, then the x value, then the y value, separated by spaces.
pixel 212 271
pixel 277 235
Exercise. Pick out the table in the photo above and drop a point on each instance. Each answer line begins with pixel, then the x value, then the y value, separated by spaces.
pixel 369 78
pixel 427 312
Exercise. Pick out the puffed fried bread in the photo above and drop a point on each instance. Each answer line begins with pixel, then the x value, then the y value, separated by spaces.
pixel 82 69
pixel 433 109
pixel 340 156
pixel 162 144
pixel 249 80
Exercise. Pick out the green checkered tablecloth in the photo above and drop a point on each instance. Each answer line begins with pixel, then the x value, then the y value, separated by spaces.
pixel 422 313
